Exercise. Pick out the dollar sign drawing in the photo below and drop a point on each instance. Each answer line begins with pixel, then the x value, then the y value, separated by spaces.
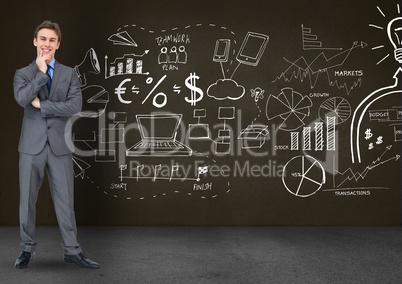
pixel 368 134
pixel 191 84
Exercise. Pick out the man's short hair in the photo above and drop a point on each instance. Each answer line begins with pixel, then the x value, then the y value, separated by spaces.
pixel 51 26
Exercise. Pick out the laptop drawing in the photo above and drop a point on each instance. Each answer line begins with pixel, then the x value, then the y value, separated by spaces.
pixel 158 136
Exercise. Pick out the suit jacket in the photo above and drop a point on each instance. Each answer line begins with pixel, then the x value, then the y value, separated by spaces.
pixel 51 121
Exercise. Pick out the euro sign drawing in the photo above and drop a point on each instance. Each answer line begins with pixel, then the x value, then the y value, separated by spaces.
pixel 196 93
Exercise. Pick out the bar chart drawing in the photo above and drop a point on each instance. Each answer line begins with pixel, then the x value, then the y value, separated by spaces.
pixel 306 138
pixel 319 140
pixel 294 141
pixel 126 65
pixel 331 120
pixel 310 40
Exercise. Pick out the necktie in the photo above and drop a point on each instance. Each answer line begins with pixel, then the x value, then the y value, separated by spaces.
pixel 49 83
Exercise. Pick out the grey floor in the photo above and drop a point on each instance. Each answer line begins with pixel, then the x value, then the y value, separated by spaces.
pixel 213 255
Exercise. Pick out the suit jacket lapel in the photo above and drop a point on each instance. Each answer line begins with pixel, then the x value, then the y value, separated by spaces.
pixel 55 78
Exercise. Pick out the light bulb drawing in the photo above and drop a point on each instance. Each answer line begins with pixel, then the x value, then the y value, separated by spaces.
pixel 394 31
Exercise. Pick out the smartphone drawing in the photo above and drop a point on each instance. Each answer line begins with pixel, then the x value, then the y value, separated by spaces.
pixel 221 53
pixel 252 48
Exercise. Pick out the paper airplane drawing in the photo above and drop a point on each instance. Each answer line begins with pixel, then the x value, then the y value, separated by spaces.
pixel 122 38
pixel 79 167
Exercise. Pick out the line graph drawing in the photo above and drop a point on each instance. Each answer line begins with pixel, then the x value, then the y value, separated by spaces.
pixel 349 174
pixel 321 64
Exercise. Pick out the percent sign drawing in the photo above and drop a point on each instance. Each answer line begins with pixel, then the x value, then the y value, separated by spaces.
pixel 160 94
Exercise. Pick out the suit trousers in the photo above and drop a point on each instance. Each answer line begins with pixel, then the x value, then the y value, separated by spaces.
pixel 59 170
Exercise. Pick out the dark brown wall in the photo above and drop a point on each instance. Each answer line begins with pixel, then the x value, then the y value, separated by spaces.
pixel 366 193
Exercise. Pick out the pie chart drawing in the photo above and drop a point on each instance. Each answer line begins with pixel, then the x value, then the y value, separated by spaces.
pixel 337 107
pixel 95 100
pixel 291 107
pixel 303 176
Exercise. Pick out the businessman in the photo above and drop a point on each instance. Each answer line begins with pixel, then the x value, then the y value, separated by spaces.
pixel 50 94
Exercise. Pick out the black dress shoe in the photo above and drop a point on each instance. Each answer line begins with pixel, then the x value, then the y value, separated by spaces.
pixel 23 259
pixel 81 260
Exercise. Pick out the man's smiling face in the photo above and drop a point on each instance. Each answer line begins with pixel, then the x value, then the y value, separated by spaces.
pixel 46 43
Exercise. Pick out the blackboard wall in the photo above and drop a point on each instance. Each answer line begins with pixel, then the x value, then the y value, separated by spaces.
pixel 289 112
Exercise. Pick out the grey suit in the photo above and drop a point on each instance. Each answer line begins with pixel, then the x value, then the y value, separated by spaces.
pixel 45 145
